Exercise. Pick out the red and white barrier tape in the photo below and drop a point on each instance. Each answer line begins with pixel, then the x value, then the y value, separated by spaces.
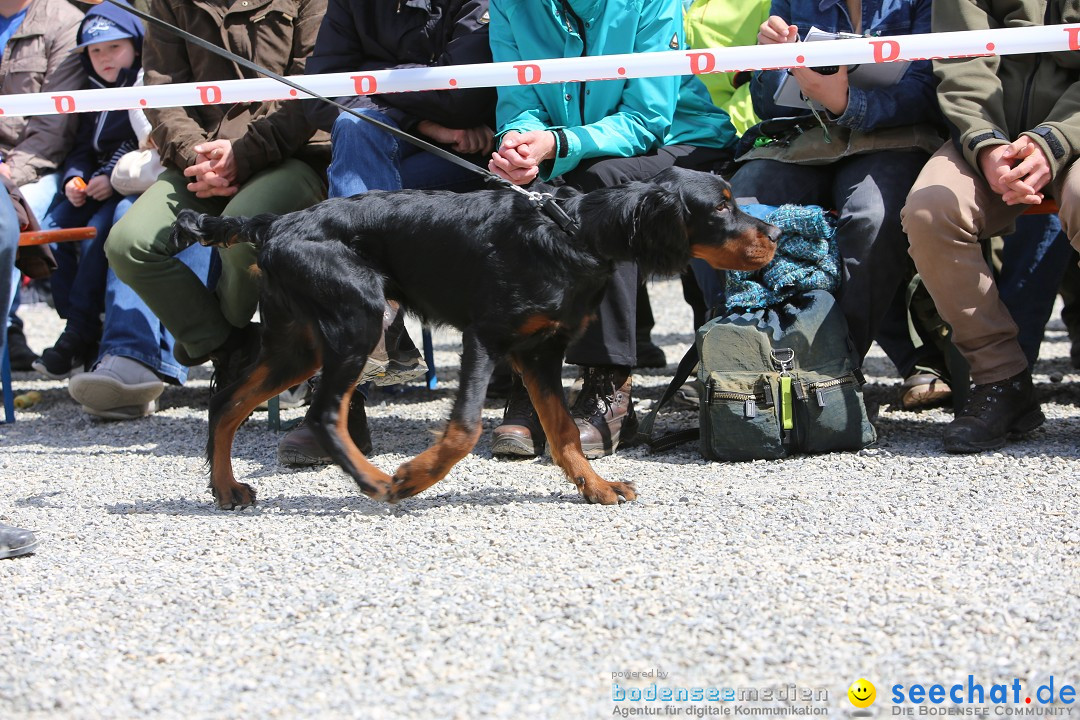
pixel 974 43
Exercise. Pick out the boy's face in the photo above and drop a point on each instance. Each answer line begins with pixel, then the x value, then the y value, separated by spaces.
pixel 110 57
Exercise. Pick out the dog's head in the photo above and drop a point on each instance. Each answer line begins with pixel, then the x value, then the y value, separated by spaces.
pixel 717 231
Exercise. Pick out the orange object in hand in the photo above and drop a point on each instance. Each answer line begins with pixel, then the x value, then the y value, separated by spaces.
pixel 80 184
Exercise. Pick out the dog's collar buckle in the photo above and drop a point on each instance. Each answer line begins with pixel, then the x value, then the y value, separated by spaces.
pixel 549 206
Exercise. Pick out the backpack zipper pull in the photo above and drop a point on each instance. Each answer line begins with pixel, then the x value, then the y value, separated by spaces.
pixel 820 394
pixel 750 408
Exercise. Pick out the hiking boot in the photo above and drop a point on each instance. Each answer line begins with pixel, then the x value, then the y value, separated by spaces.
pixel 520 433
pixel 118 388
pixel 604 410
pixel 234 356
pixel 16 541
pixel 300 448
pixel 994 412
pixel 395 359
pixel 22 357
pixel 70 355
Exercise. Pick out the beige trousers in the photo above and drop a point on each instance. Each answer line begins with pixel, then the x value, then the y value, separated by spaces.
pixel 949 210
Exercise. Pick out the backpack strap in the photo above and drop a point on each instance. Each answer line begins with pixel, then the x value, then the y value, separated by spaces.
pixel 645 429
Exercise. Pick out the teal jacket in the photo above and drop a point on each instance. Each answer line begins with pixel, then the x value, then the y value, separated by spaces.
pixel 611 118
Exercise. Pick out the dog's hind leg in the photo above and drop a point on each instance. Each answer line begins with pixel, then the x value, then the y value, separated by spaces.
pixel 463 430
pixel 274 372
pixel 540 372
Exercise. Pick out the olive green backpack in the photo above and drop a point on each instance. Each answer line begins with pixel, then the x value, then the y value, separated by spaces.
pixel 776 382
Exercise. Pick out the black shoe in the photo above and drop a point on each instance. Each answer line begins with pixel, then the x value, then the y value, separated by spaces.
pixel 237 354
pixel 649 355
pixel 70 355
pixel 299 447
pixel 993 412
pixel 520 433
pixel 22 357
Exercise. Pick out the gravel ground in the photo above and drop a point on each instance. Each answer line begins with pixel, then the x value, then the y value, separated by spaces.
pixel 499 593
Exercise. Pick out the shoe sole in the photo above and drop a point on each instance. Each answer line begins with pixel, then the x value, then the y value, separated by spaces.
pixel 103 394
pixel 1021 427
pixel 40 367
pixel 128 412
pixel 513 446
pixel 10 552
pixel 296 458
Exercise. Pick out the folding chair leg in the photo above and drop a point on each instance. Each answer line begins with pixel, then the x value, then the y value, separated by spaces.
pixel 429 358
pixel 5 380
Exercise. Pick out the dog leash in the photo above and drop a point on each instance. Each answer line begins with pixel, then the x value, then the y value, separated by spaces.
pixel 545 202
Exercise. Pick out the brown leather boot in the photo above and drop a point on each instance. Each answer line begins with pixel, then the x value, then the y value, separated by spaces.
pixel 520 433
pixel 300 447
pixel 604 410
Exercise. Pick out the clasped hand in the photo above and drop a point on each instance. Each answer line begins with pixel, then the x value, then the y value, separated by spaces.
pixel 1017 172
pixel 214 170
pixel 520 154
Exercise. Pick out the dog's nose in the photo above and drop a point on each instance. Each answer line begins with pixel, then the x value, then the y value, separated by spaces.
pixel 773 233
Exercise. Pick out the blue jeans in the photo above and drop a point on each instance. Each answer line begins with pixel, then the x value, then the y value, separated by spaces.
pixel 131 328
pixel 9 276
pixel 1033 263
pixel 366 157
pixel 78 283
pixel 868 191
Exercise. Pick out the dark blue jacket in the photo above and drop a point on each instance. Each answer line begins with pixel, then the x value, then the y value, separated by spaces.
pixel 911 101
pixel 363 35
pixel 104 136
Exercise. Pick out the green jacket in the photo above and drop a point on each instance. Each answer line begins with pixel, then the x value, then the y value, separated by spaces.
pixel 993 100
pixel 727 23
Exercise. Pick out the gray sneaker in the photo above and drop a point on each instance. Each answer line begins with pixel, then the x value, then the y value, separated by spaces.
pixel 118 388
pixel 16 541
pixel 395 360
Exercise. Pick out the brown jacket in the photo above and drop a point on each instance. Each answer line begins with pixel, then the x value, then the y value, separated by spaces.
pixel 38 58
pixel 276 34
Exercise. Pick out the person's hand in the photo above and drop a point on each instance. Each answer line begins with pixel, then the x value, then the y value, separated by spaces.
pixel 518 158
pixel 993 166
pixel 1028 176
pixel 99 187
pixel 214 170
pixel 829 90
pixel 75 191
pixel 467 141
pixel 775 30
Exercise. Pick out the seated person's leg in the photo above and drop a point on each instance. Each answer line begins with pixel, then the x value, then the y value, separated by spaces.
pixel 139 253
pixel 9 276
pixel 77 347
pixel 40 193
pixel 1033 263
pixel 1070 309
pixel 363 156
pixel 944 228
pixel 136 351
pixel 39 196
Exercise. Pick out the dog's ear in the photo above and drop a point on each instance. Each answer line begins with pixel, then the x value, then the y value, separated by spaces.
pixel 658 237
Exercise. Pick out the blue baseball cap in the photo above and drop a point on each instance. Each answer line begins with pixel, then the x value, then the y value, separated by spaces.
pixel 98 29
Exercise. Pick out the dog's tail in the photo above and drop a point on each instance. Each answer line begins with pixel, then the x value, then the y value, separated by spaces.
pixel 194 227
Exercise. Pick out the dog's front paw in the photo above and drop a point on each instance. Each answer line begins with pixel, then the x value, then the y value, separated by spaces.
pixel 234 497
pixel 601 492
pixel 408 480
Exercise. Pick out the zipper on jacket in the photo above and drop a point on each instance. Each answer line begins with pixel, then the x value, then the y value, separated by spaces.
pixel 1024 106
pixel 570 15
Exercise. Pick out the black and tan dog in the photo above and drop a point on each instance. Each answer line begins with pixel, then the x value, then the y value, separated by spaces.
pixel 488 263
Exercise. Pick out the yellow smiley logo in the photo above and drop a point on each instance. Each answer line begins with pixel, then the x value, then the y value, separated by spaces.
pixel 862 693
